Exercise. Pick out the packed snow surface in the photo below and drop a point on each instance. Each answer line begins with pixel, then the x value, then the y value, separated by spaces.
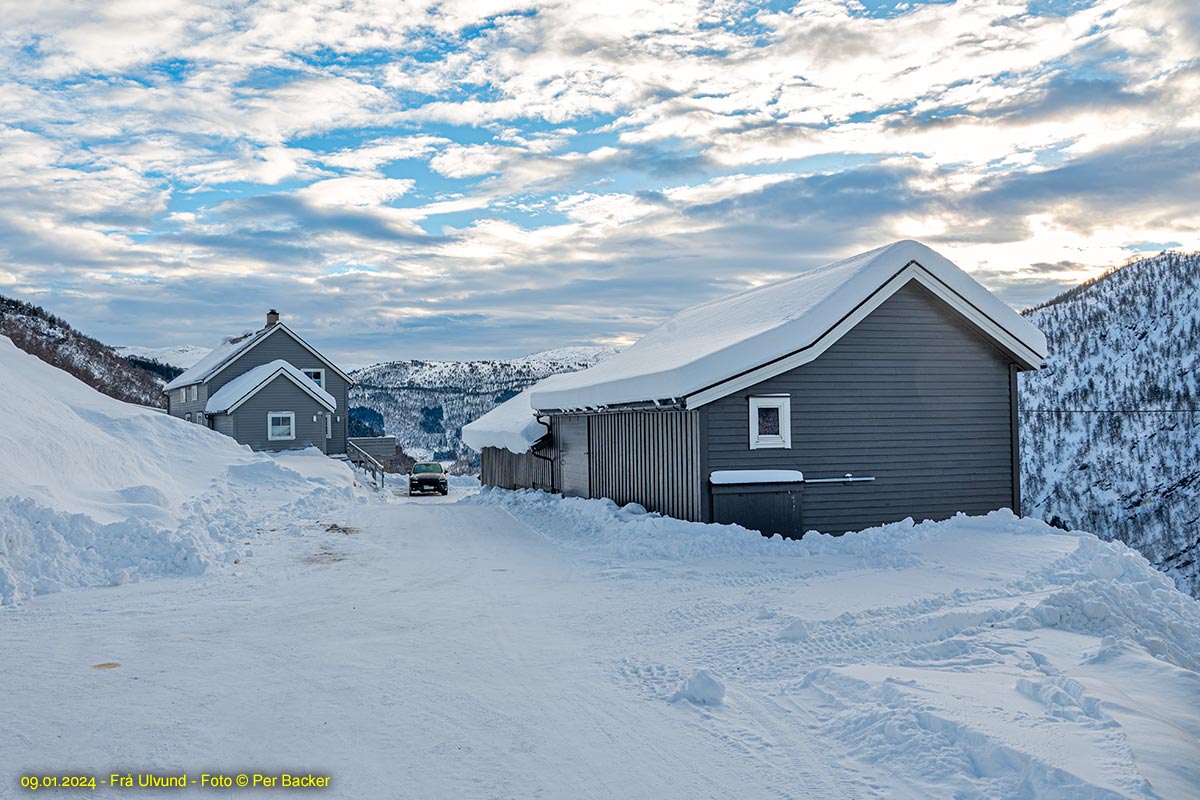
pixel 252 380
pixel 96 491
pixel 711 342
pixel 495 644
pixel 736 476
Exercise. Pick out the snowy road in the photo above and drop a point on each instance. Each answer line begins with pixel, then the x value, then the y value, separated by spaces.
pixel 444 649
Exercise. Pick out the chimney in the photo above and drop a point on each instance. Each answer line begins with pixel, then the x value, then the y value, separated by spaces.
pixel 272 318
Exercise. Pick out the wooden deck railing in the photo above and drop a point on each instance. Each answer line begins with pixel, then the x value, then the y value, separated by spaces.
pixel 366 462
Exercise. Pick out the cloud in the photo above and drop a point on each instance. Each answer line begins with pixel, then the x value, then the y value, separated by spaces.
pixel 476 177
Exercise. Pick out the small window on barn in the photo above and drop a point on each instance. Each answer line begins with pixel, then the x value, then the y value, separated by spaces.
pixel 317 376
pixel 770 422
pixel 187 417
pixel 281 425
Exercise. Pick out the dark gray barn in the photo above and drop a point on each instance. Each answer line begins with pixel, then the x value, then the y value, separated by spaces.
pixel 864 392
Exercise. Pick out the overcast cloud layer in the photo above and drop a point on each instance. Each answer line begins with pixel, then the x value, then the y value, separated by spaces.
pixel 483 178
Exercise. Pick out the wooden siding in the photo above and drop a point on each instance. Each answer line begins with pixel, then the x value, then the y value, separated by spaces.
pixel 250 419
pixel 281 346
pixel 650 457
pixel 380 448
pixel 508 470
pixel 912 396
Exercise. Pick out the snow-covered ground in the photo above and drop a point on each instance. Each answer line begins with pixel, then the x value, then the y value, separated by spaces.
pixel 503 644
pixel 517 645
pixel 94 491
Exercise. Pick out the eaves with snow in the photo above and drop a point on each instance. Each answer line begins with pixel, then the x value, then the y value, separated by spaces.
pixel 716 348
pixel 719 347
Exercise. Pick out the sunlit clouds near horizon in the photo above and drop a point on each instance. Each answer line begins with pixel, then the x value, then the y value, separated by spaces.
pixel 474 179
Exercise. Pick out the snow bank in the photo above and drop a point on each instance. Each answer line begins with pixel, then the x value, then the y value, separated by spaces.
pixel 704 345
pixel 96 491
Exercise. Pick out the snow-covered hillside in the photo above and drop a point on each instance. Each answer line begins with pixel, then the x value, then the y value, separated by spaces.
pixel 181 356
pixel 54 341
pixel 424 404
pixel 1110 428
pixel 96 491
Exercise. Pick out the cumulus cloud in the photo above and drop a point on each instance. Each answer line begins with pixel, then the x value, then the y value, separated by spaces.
pixel 485 177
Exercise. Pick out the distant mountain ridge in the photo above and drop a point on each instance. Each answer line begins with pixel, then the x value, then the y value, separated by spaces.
pixel 424 404
pixel 1110 436
pixel 51 339
pixel 182 356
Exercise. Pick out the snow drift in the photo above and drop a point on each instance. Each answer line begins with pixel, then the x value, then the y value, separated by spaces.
pixel 95 491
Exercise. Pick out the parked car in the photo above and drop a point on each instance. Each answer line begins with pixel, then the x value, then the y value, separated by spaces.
pixel 427 476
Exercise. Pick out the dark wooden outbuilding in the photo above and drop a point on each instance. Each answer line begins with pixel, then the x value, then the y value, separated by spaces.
pixel 904 405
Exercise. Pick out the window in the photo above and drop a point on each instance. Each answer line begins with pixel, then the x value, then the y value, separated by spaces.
pixel 770 422
pixel 187 417
pixel 316 375
pixel 195 392
pixel 281 425
pixel 183 395
pixel 329 426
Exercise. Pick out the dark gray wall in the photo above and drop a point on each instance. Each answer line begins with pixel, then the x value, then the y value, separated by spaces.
pixel 250 418
pixel 281 346
pixel 649 457
pixel 912 395
pixel 178 407
pixel 508 470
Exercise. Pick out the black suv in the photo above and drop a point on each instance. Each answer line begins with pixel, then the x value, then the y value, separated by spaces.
pixel 427 476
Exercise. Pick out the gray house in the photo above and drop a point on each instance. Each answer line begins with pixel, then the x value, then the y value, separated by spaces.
pixel 269 389
pixel 859 393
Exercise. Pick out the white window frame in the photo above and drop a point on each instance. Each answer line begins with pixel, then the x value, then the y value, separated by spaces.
pixel 782 402
pixel 318 381
pixel 183 395
pixel 328 426
pixel 195 392
pixel 290 415
pixel 187 417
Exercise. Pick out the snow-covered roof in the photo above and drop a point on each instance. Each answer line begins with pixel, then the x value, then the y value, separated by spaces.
pixel 728 477
pixel 206 367
pixel 231 349
pixel 509 426
pixel 246 385
pixel 719 347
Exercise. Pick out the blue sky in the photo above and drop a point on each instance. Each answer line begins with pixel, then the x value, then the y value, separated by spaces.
pixel 479 178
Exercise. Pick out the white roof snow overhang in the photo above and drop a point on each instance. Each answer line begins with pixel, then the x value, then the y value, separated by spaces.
pixel 259 338
pixel 1022 353
pixel 304 383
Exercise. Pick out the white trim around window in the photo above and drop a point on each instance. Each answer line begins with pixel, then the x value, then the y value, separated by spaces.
pixel 774 414
pixel 328 426
pixel 316 375
pixel 195 392
pixel 278 431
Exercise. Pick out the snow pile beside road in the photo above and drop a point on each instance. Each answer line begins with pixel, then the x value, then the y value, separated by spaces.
pixel 976 657
pixel 96 491
pixel 629 533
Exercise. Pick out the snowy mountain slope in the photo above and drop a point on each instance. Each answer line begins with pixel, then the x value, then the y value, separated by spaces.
pixel 181 356
pixel 57 343
pixel 94 490
pixel 424 404
pixel 1110 428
